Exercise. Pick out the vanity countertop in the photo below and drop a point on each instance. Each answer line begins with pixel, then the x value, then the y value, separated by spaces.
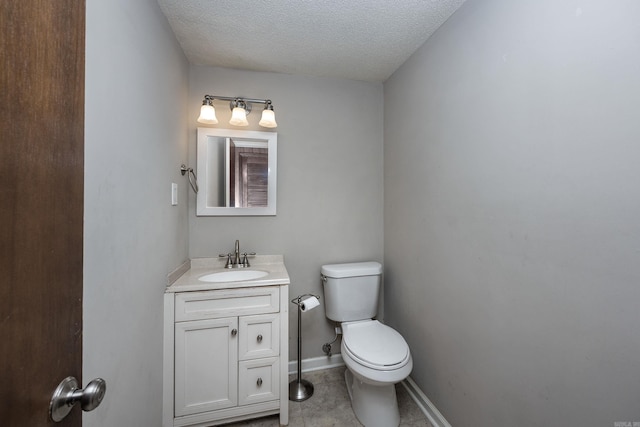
pixel 272 264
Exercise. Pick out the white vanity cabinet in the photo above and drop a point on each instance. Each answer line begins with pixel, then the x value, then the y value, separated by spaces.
pixel 226 355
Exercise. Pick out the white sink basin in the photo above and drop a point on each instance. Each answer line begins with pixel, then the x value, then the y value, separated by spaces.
pixel 233 276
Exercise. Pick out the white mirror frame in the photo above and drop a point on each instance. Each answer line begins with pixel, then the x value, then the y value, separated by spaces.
pixel 204 175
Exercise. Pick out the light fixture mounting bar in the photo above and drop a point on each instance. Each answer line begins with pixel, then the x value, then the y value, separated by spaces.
pixel 238 98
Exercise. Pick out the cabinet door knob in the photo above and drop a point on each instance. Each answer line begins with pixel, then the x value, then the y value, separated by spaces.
pixel 259 382
pixel 259 338
pixel 234 332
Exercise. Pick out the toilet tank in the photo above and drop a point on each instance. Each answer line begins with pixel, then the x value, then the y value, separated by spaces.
pixel 351 291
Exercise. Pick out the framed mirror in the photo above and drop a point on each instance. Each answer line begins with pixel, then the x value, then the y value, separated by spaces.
pixel 237 172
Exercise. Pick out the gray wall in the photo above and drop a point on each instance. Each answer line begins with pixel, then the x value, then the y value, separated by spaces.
pixel 329 180
pixel 512 206
pixel 135 141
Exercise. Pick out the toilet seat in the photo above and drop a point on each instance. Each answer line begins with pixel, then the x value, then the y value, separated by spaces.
pixel 375 345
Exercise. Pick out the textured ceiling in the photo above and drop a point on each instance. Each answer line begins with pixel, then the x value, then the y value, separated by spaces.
pixel 355 39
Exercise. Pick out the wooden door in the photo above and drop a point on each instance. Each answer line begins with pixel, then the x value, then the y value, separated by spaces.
pixel 41 205
pixel 250 177
pixel 254 183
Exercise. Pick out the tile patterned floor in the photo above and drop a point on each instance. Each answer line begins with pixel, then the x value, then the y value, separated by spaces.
pixel 330 406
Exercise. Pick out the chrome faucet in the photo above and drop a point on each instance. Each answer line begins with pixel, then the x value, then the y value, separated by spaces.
pixel 237 261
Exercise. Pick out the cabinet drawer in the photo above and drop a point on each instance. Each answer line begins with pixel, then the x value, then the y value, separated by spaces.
pixel 259 336
pixel 224 303
pixel 259 380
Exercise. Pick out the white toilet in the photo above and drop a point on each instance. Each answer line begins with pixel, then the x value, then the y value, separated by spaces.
pixel 376 355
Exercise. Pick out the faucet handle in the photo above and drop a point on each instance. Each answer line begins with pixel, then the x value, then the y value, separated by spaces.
pixel 245 261
pixel 229 263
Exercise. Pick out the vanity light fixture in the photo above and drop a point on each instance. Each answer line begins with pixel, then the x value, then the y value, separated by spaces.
pixel 239 113
pixel 240 109
pixel 268 119
pixel 207 112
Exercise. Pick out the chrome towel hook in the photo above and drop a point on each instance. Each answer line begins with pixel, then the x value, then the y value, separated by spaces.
pixel 193 179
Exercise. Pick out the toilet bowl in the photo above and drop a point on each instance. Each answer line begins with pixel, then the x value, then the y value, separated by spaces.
pixel 375 353
pixel 377 356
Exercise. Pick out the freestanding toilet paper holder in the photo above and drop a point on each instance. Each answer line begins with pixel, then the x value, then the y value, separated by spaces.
pixel 300 389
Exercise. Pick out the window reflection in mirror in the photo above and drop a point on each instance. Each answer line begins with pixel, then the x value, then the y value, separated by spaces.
pixel 237 171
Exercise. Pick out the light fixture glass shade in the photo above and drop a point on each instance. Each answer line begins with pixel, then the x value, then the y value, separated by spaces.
pixel 268 119
pixel 239 117
pixel 208 115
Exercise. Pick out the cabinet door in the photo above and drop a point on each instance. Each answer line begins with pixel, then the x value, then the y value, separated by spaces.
pixel 206 365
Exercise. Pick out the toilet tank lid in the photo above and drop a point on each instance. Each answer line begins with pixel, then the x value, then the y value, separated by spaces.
pixel 353 269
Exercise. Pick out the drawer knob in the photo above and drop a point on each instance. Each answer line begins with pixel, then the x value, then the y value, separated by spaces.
pixel 259 338
pixel 259 382
pixel 234 332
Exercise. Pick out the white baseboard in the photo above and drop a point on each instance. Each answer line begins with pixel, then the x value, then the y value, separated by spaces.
pixel 335 360
pixel 316 363
pixel 423 402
